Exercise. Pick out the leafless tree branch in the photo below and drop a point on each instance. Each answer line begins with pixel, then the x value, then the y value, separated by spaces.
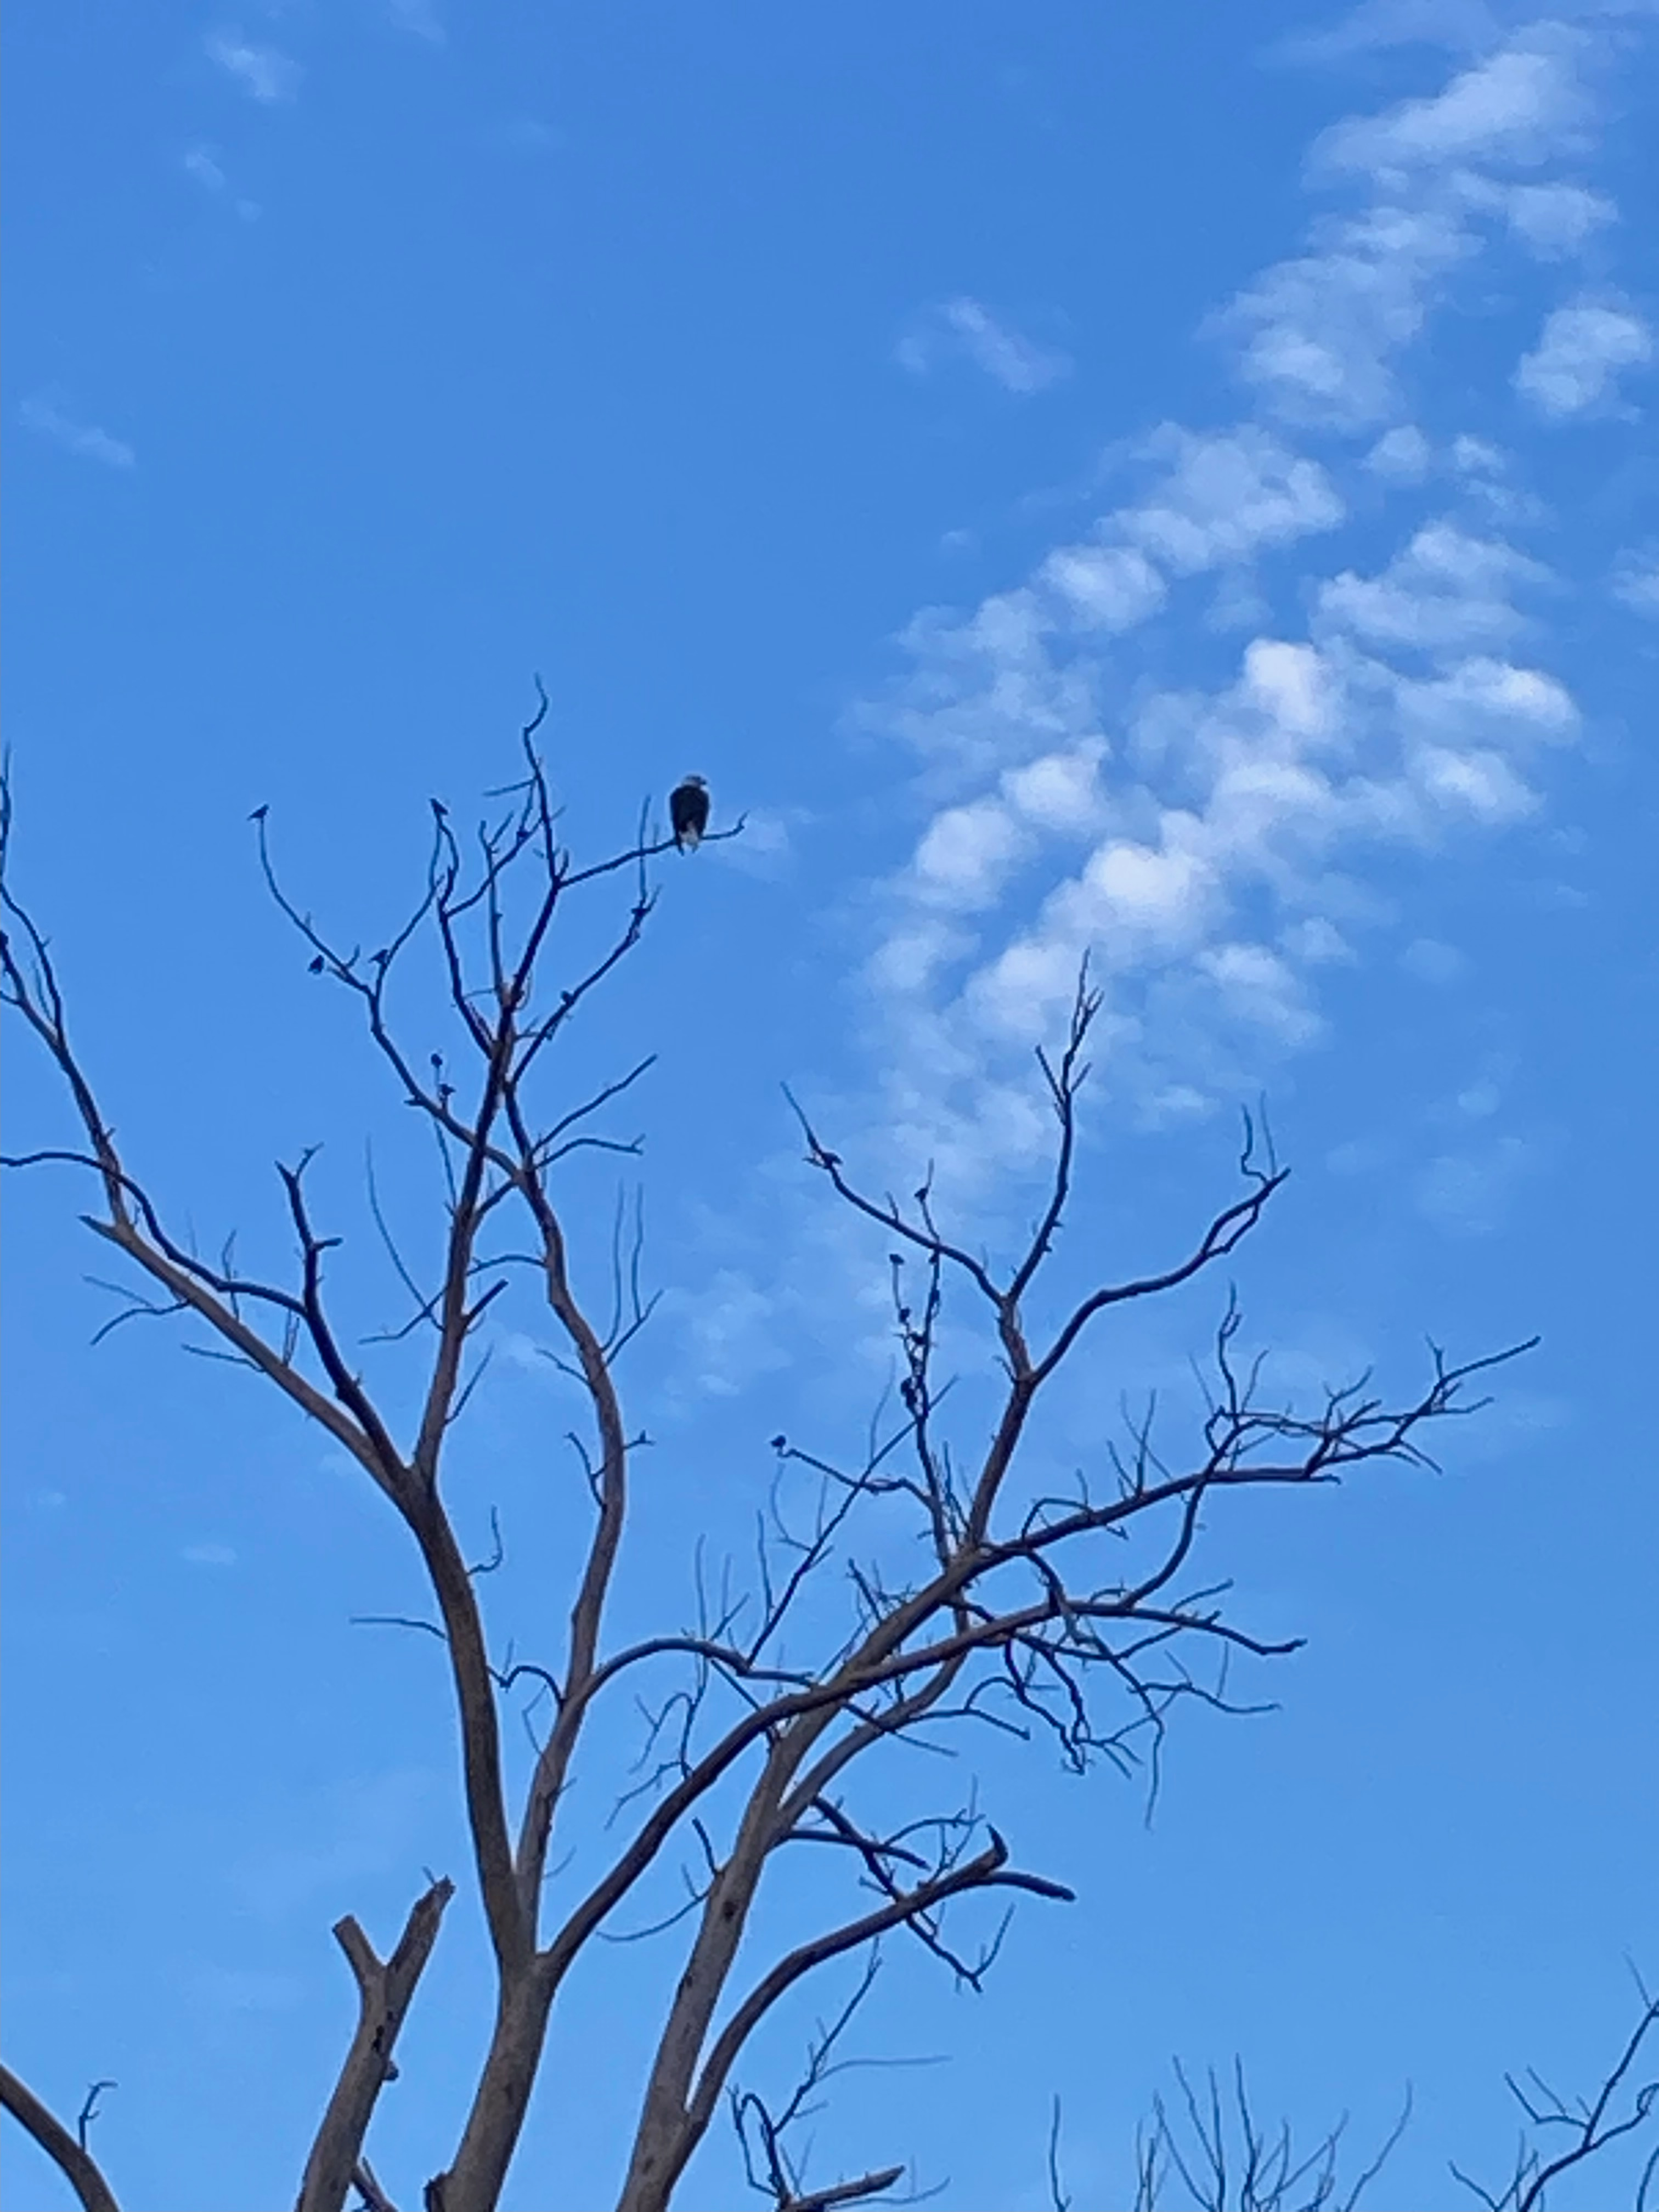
pixel 66 2148
pixel 1084 1617
pixel 1227 2161
pixel 386 1988
pixel 1587 2125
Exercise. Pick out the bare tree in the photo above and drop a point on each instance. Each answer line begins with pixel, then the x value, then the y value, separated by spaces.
pixel 1559 2134
pixel 1077 1614
pixel 1205 2149
pixel 1212 2145
pixel 774 2169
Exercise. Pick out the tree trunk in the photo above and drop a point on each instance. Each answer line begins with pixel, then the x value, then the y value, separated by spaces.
pixel 668 2130
pixel 475 2181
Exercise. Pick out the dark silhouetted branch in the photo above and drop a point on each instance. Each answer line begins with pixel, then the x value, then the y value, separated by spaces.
pixel 66 2148
pixel 386 1988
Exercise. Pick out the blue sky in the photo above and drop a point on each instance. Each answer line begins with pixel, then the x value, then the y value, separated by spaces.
pixel 1174 483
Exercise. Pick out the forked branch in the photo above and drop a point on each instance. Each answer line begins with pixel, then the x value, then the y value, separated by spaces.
pixel 386 1988
pixel 905 1597
pixel 62 2145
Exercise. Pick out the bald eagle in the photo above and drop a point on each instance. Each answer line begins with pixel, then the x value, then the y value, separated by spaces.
pixel 688 809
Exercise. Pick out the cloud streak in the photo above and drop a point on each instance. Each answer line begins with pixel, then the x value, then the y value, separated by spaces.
pixel 1211 842
pixel 965 329
pixel 48 419
pixel 418 19
pixel 202 166
pixel 1581 354
pixel 262 72
pixel 1636 582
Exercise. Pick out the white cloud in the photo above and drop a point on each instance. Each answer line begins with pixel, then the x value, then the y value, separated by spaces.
pixel 1481 784
pixel 1107 586
pixel 1636 582
pixel 1258 987
pixel 766 847
pixel 46 416
pixel 1445 589
pixel 1216 842
pixel 200 164
pixel 732 1332
pixel 1580 356
pixel 1317 942
pixel 263 73
pixel 1466 1194
pixel 908 959
pixel 1466 26
pixel 1519 107
pixel 1432 962
pixel 419 18
pixel 965 858
pixel 966 327
pixel 1479 1102
pixel 987 690
pixel 208 1555
pixel 1061 792
pixel 1291 686
pixel 1486 475
pixel 1484 697
pixel 1209 894
pixel 1556 220
pixel 1321 332
pixel 1224 497
pixel 1476 457
pixel 993 685
pixel 1401 455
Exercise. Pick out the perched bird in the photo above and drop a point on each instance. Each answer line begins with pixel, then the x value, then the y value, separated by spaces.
pixel 688 811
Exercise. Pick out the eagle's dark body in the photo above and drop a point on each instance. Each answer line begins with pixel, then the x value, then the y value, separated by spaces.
pixel 688 812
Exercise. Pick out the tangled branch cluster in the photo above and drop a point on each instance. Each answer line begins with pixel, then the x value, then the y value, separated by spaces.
pixel 1035 1614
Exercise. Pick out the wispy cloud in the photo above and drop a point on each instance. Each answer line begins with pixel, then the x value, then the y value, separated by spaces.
pixel 45 415
pixel 1459 25
pixel 419 19
pixel 1215 846
pixel 766 847
pixel 1556 220
pixel 1223 498
pixel 1583 351
pixel 729 1332
pixel 965 329
pixel 1517 108
pixel 202 166
pixel 1432 962
pixel 1442 590
pixel 1636 582
pixel 1319 335
pixel 262 73
pixel 1466 1192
